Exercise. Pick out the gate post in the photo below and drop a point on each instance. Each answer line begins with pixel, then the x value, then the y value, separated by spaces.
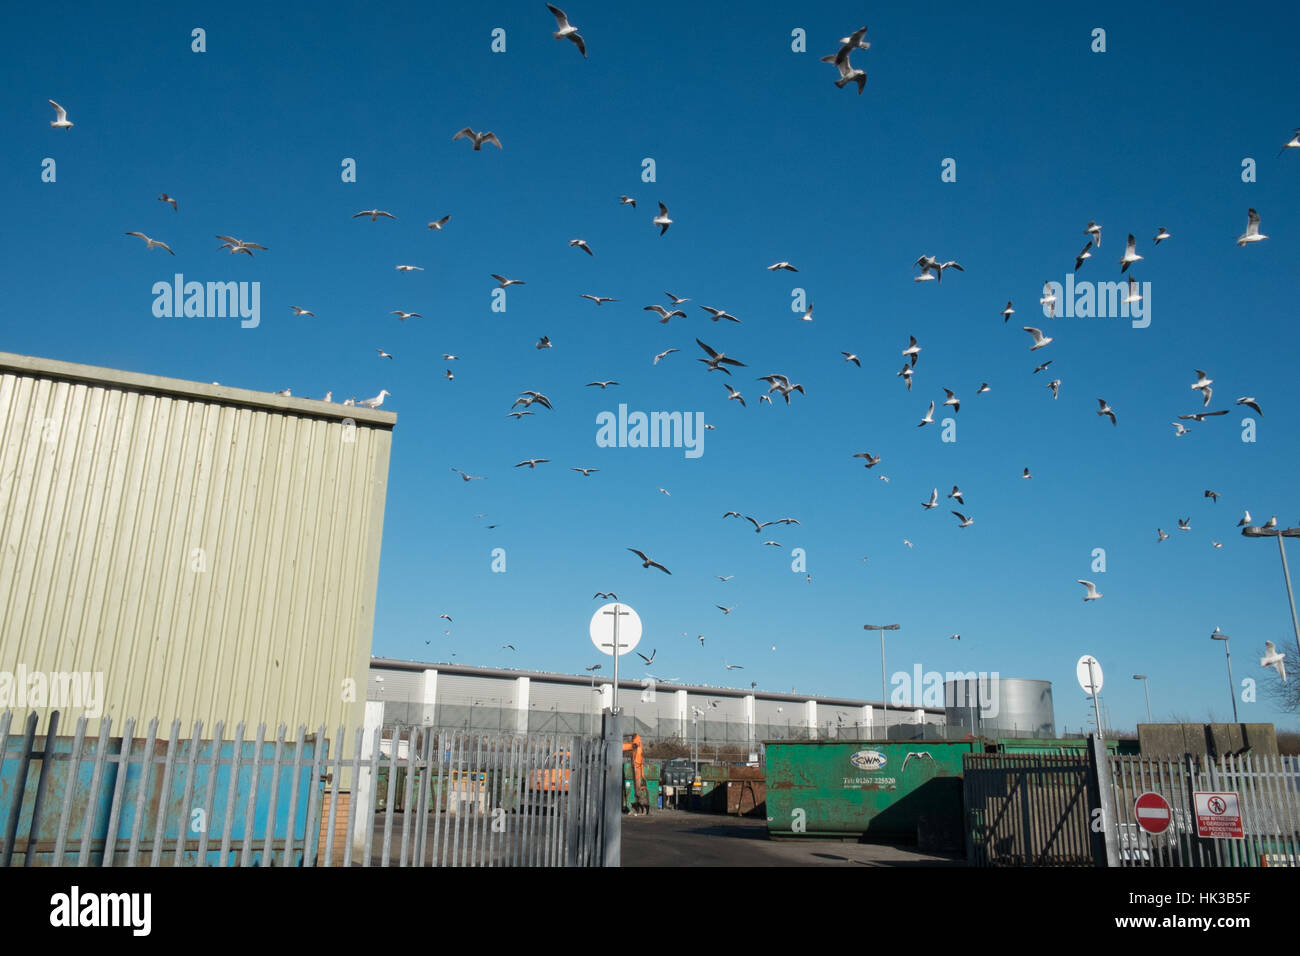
pixel 613 793
pixel 1099 777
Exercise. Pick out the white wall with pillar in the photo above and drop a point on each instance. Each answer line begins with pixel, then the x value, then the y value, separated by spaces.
pixel 428 697
pixel 749 717
pixel 521 705
pixel 868 717
pixel 682 712
pixel 810 718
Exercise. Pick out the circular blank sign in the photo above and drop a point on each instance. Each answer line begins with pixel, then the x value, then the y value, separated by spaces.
pixel 1082 671
pixel 602 629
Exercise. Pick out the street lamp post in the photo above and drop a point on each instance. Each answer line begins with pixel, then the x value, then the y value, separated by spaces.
pixel 884 696
pixel 1147 688
pixel 1280 533
pixel 1232 687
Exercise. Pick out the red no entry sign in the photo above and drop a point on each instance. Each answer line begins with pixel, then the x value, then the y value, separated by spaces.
pixel 1153 813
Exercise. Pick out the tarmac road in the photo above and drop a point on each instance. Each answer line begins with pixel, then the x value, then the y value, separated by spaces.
pixel 681 838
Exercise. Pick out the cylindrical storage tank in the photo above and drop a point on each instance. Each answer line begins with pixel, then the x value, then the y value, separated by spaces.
pixel 991 706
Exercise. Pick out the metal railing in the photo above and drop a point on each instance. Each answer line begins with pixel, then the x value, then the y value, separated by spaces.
pixel 1267 795
pixel 415 797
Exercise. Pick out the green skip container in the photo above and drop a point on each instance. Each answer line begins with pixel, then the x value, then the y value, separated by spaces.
pixel 896 791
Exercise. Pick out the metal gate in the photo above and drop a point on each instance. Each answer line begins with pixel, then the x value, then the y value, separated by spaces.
pixel 1266 788
pixel 418 796
pixel 1029 810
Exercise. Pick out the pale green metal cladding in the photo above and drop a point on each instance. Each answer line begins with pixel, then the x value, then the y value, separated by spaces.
pixel 213 552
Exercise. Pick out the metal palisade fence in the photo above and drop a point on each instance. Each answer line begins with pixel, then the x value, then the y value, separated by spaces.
pixel 414 796
pixel 1266 788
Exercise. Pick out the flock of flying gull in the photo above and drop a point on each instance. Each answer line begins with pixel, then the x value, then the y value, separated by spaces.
pixel 931 270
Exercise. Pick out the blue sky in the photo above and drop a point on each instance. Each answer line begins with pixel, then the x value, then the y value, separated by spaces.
pixel 759 158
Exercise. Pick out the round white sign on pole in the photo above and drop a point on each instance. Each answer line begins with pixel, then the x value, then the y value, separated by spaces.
pixel 602 629
pixel 1086 680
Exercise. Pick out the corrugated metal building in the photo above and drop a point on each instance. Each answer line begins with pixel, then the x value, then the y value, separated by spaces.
pixel 211 553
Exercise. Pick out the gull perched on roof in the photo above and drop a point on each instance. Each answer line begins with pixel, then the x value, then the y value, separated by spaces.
pixel 376 401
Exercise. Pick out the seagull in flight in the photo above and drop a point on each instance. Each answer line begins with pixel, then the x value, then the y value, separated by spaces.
pixel 1093 594
pixel 544 342
pixel 717 360
pixel 1250 402
pixel 851 357
pixel 403 316
pixel 503 282
pixel 383 354
pixel 1085 254
pixel 929 417
pixel 1252 233
pixel 603 385
pixel 984 387
pixel 662 219
pixel 956 495
pixel 238 245
pixel 1184 524
pixel 593 667
pixel 627 201
pixel 647 563
pixel 374 214
pixel 1094 230
pixel 532 463
pixel 906 372
pixel 60 120
pixel 437 224
pixel 409 268
pixel 725 610
pixel 447 618
pixel 581 244
pixel 598 299
pixel 1106 410
pixel 731 667
pixel 1182 429
pixel 1161 535
pixel 586 472
pixel 150 243
pixel 1204 383
pixel 1039 339
pixel 170 200
pixel 664 354
pixel 724 578
pixel 840 59
pixel 1213 495
pixel 1162 234
pixel 478 139
pixel 1026 473
pixel 648 660
pixel 1292 143
pixel 1048 300
pixel 1202 416
pixel 1008 312
pixel 1055 386
pixel 605 594
pixel 912 351
pixel 964 521
pixel 733 395
pixel 952 400
pixel 781 265
pixel 872 461
pixel 716 314
pixel 664 314
pixel 507 646
pixel 933 502
pixel 1274 658
pixel 567 31
pixel 676 300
